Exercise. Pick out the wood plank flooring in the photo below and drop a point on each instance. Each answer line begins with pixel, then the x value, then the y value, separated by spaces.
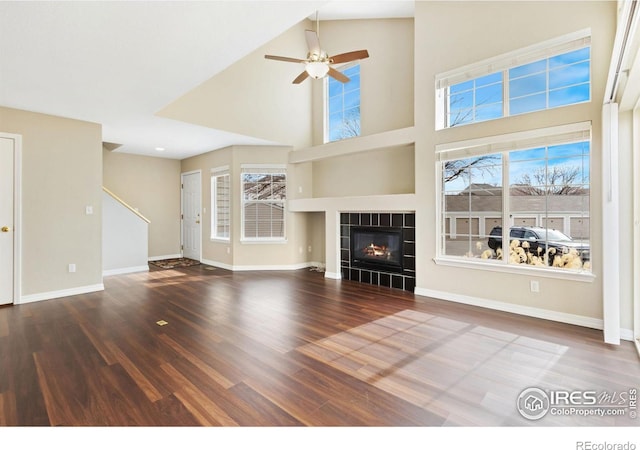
pixel 287 349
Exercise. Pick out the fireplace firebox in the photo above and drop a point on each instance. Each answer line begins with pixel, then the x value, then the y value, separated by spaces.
pixel 377 248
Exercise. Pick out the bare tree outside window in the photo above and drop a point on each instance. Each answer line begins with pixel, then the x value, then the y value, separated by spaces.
pixel 456 168
pixel 350 126
pixel 556 180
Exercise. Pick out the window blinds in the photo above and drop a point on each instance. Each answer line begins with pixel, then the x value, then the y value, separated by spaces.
pixel 541 137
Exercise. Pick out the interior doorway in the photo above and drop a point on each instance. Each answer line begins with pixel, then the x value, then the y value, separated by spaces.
pixel 191 223
pixel 10 148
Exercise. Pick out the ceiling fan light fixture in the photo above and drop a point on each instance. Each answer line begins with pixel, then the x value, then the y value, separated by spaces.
pixel 317 69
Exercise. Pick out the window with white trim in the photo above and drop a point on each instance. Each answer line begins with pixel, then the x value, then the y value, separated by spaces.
pixel 221 204
pixel 548 75
pixel 343 105
pixel 537 182
pixel 264 195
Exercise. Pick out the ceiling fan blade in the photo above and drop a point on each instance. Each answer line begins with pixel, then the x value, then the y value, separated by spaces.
pixel 284 58
pixel 300 78
pixel 338 75
pixel 313 42
pixel 349 56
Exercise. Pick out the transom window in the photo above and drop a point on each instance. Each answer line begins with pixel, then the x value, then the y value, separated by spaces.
pixel 551 82
pixel 475 100
pixel 264 194
pixel 343 106
pixel 548 75
pixel 527 204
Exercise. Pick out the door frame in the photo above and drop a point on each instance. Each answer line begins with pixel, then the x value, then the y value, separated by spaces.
pixel 182 175
pixel 17 213
pixel 636 225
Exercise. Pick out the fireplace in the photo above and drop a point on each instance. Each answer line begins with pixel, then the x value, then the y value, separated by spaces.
pixel 376 248
pixel 379 248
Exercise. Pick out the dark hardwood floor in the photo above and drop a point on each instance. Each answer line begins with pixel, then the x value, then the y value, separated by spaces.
pixel 287 349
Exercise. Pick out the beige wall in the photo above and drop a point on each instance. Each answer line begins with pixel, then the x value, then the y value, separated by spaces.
pixel 152 185
pixel 386 96
pixel 61 176
pixel 378 172
pixel 235 253
pixel 255 96
pixel 386 87
pixel 453 34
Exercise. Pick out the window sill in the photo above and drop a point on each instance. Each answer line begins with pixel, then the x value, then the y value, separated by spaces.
pixel 263 241
pixel 221 240
pixel 562 274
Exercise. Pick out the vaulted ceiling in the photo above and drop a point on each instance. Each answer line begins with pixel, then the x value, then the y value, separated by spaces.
pixel 119 63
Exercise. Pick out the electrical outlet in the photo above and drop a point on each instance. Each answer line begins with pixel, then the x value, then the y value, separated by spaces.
pixel 535 286
pixel 309 249
pixel 72 268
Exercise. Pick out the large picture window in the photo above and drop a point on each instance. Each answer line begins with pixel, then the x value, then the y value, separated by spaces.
pixel 221 204
pixel 264 195
pixel 343 106
pixel 548 75
pixel 527 204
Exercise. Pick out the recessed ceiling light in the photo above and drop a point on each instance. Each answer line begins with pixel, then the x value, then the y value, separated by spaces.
pixel 159 149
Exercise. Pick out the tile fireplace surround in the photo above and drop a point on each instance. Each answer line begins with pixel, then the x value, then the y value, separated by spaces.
pixel 406 279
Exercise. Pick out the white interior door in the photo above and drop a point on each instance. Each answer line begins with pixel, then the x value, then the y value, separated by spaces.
pixel 191 217
pixel 7 222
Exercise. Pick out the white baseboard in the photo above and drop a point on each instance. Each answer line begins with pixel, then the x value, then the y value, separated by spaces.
pixel 333 275
pixel 62 293
pixel 626 334
pixel 273 267
pixel 209 262
pixel 573 319
pixel 284 267
pixel 106 273
pixel 158 258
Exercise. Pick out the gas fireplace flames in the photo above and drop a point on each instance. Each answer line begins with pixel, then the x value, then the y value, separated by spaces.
pixel 377 250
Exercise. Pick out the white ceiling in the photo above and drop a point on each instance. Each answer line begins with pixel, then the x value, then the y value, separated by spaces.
pixel 119 62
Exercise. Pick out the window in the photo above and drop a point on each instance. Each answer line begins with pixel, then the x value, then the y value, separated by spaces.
pixel 551 82
pixel 221 204
pixel 475 100
pixel 343 106
pixel 530 190
pixel 548 75
pixel 264 193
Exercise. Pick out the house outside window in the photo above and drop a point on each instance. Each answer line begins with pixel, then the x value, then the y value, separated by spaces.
pixel 343 106
pixel 221 204
pixel 538 184
pixel 547 75
pixel 264 195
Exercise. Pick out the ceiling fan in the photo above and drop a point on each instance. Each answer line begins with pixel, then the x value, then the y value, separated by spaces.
pixel 318 62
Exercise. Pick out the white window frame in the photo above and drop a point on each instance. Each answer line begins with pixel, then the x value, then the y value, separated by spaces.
pixel 503 63
pixel 505 143
pixel 262 169
pixel 326 101
pixel 220 172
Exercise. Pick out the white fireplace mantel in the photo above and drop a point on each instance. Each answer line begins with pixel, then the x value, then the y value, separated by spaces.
pixel 333 206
